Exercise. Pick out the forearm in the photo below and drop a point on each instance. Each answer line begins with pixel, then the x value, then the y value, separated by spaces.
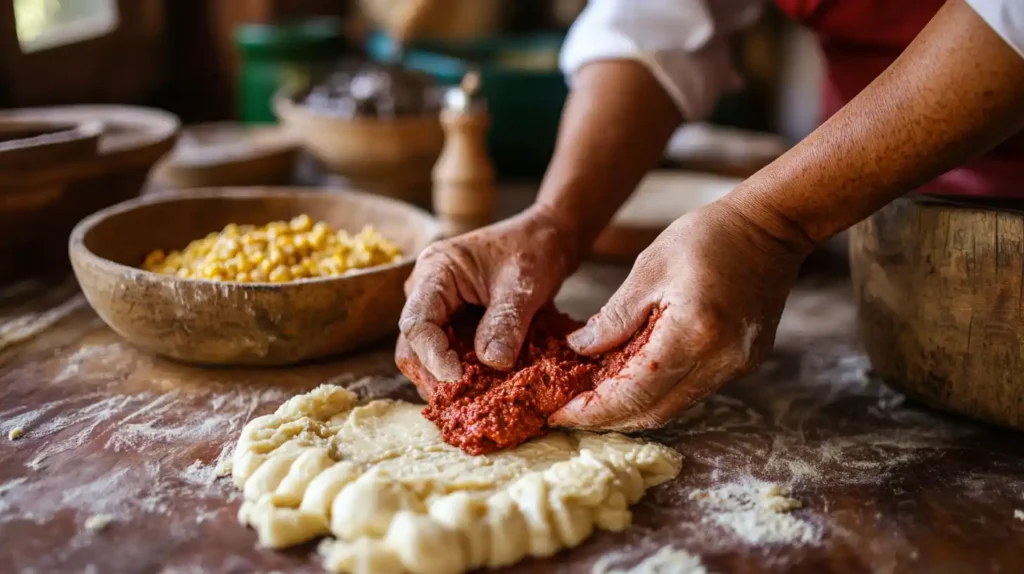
pixel 615 126
pixel 954 93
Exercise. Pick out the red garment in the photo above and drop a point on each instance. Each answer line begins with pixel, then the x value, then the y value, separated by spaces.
pixel 860 39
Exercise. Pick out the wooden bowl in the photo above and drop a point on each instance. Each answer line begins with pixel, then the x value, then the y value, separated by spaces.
pixel 391 157
pixel 33 144
pixel 226 154
pixel 40 205
pixel 941 295
pixel 228 323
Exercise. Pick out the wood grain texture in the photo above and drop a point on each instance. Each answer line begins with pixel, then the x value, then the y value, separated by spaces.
pixel 35 144
pixel 941 299
pixel 389 156
pixel 40 206
pixel 886 486
pixel 229 323
pixel 222 154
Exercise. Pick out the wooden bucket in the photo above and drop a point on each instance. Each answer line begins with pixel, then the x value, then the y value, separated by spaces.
pixel 940 287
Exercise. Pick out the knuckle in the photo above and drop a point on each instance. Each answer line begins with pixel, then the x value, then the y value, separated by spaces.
pixel 615 315
pixel 645 260
pixel 504 315
pixel 408 325
pixel 435 249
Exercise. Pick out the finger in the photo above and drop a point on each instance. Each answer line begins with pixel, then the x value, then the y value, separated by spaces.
pixel 637 390
pixel 617 321
pixel 432 299
pixel 410 366
pixel 513 303
pixel 689 390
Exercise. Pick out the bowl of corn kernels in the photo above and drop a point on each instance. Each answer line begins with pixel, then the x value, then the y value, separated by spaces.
pixel 250 276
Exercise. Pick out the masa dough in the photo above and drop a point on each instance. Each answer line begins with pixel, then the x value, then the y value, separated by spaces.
pixel 397 498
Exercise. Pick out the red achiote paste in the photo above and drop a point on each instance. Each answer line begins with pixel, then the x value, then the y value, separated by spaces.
pixel 488 410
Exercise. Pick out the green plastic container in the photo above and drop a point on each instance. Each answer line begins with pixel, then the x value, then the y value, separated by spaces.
pixel 275 56
pixel 525 102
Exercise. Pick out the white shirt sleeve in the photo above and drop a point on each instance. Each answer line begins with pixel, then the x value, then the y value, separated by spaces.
pixel 1006 17
pixel 684 43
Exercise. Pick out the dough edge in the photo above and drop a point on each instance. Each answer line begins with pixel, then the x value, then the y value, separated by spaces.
pixel 304 476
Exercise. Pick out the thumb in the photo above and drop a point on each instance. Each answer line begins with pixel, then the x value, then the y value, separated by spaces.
pixel 503 328
pixel 617 321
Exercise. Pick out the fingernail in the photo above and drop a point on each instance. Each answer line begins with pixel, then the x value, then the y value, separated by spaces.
pixel 582 339
pixel 498 353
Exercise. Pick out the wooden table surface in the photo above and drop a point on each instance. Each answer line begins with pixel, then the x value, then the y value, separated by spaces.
pixel 886 486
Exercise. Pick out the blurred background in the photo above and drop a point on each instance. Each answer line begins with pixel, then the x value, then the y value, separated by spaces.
pixel 218 59
pixel 206 93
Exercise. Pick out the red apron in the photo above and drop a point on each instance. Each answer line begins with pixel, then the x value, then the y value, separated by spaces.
pixel 860 39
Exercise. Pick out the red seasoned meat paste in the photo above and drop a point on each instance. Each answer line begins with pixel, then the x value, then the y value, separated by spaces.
pixel 488 410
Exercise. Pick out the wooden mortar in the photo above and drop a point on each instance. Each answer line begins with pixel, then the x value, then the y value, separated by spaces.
pixel 42 202
pixel 941 292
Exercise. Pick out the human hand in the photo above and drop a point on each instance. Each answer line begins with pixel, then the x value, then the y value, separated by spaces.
pixel 722 283
pixel 512 268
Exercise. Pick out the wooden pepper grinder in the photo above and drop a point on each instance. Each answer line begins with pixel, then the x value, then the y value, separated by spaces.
pixel 463 175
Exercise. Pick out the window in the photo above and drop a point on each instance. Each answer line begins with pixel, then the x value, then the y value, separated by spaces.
pixel 43 24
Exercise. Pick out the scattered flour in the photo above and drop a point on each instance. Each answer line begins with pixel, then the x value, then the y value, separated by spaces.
pixel 22 328
pixel 98 522
pixel 667 560
pixel 1018 514
pixel 757 513
pixel 175 421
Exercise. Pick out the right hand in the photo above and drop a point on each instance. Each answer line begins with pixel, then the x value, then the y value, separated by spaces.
pixel 512 268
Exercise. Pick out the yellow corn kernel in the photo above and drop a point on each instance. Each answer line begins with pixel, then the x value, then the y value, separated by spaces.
pixel 153 259
pixel 244 264
pixel 301 223
pixel 317 240
pixel 278 251
pixel 211 269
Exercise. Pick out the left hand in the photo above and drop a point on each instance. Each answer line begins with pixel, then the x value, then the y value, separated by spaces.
pixel 722 281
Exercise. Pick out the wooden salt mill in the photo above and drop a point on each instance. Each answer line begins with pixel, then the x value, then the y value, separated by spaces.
pixel 463 175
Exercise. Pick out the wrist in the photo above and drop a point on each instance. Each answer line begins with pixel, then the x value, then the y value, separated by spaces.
pixel 564 225
pixel 757 212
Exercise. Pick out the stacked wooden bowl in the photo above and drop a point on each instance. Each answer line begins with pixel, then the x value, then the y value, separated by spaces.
pixel 392 157
pixel 61 164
